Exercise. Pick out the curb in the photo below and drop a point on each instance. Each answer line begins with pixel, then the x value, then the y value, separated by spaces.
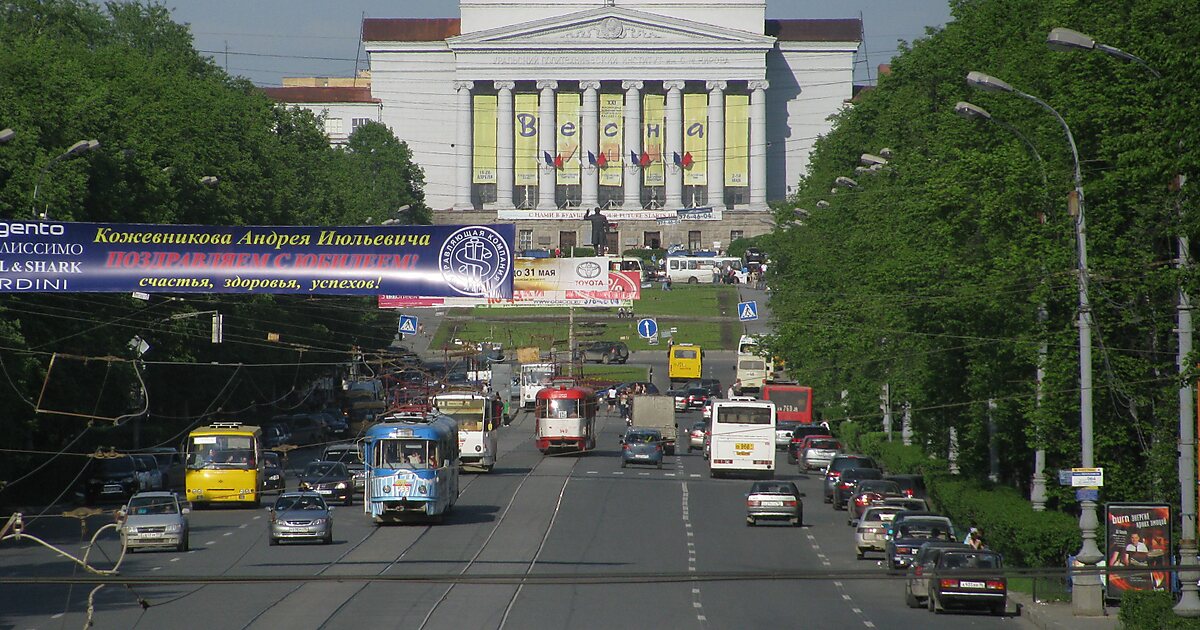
pixel 1045 617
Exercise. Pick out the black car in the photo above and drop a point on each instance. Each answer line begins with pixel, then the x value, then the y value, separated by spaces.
pixel 754 255
pixel 912 486
pixel 351 455
pixel 910 533
pixel 304 428
pixel 916 583
pixel 331 480
pixel 968 578
pixel 603 352
pixel 110 479
pixel 711 384
pixel 844 488
pixel 273 475
pixel 696 397
pixel 841 463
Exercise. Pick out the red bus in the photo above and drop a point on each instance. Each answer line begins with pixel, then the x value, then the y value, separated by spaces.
pixel 566 419
pixel 793 403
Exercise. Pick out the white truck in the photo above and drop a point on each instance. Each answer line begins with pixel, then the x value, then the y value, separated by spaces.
pixel 656 412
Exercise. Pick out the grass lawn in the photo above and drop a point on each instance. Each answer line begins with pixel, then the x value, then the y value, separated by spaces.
pixel 1045 589
pixel 701 300
pixel 618 373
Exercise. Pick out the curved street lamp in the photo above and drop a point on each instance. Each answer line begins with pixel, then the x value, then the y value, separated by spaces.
pixel 1087 596
pixel 1066 39
pixel 79 148
pixel 6 134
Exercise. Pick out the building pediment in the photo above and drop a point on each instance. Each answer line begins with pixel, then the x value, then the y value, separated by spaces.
pixel 610 27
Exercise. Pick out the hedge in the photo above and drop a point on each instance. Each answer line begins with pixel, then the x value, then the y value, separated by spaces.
pixel 1009 524
pixel 1151 610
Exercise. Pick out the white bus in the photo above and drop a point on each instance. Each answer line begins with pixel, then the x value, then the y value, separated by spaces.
pixel 699 269
pixel 534 376
pixel 478 419
pixel 753 367
pixel 743 438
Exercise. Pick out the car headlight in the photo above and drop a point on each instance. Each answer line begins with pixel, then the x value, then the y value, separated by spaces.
pixel 341 485
pixel 303 485
pixel 273 478
pixel 174 528
pixel 318 521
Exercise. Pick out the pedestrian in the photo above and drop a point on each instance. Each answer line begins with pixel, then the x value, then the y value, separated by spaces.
pixel 668 283
pixel 612 398
pixel 974 538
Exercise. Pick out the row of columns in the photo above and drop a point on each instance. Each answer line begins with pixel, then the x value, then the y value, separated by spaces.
pixel 590 142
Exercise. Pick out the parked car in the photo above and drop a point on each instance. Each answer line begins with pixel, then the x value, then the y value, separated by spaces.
pixel 274 478
pixel 910 485
pixel 754 255
pixel 305 429
pixel 299 516
pixel 834 471
pixel 275 435
pixel 110 479
pixel 916 584
pixel 335 424
pixel 799 434
pixel 910 533
pixel 871 532
pixel 603 352
pixel 696 436
pixel 849 479
pixel 774 500
pixel 351 455
pixel 817 452
pixel 866 493
pixel 642 446
pixel 170 462
pixel 328 479
pixel 155 519
pixel 148 475
pixel 968 579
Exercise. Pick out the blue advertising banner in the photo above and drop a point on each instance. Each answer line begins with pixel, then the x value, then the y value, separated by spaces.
pixel 435 260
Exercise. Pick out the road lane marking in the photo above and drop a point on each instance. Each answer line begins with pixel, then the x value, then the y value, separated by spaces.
pixel 243 525
pixel 211 542
pixel 644 474
pixel 694 476
pixel 618 472
pixel 845 597
pixel 670 474
pixel 857 611
pixel 827 563
pixel 156 568
pixel 56 615
pixel 838 584
pixel 174 559
pixel 695 604
pixel 257 517
pixel 868 624
pixel 591 472
pixel 227 534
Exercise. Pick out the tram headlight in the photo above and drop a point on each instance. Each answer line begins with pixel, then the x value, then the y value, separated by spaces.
pixel 478 448
pixel 421 488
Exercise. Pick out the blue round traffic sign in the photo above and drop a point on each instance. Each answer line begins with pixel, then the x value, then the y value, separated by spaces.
pixel 647 328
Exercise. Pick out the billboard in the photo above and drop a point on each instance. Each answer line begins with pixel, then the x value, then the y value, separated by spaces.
pixel 1138 535
pixel 483 160
pixel 622 287
pixel 434 260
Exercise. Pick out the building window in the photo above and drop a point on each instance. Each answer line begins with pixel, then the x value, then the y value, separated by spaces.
pixel 355 123
pixel 652 240
pixel 566 240
pixel 525 240
pixel 694 240
pixel 734 235
pixel 333 126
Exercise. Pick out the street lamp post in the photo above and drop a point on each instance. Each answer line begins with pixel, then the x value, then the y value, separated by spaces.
pixel 1189 603
pixel 79 148
pixel 1037 492
pixel 1087 595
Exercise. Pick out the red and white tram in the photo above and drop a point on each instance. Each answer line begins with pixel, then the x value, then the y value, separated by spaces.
pixel 566 419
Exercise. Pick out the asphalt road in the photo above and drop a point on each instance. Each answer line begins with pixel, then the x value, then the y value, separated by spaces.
pixel 578 517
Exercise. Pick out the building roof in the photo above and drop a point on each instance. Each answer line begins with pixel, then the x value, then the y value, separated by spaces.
pixel 310 94
pixel 839 30
pixel 409 29
pixel 438 29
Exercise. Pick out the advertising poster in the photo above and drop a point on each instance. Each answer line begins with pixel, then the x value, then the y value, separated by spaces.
pixel 653 129
pixel 612 121
pixel 433 260
pixel 567 112
pixel 623 288
pixel 737 140
pixel 525 139
pixel 695 139
pixel 484 147
pixel 1138 536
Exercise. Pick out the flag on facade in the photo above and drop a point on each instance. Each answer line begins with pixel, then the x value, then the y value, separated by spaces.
pixel 558 162
pixel 591 158
pixel 602 160
pixel 549 160
pixel 645 160
pixel 677 158
pixel 688 160
pixel 633 157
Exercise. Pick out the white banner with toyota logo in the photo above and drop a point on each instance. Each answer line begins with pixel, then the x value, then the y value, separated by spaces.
pixel 561 274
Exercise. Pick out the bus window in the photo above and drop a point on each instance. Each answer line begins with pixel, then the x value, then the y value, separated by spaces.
pixel 683 353
pixel 744 415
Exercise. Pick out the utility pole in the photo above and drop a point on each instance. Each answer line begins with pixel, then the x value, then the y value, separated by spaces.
pixel 1189 603
pixel 906 432
pixel 952 456
pixel 885 404
pixel 1037 493
pixel 993 447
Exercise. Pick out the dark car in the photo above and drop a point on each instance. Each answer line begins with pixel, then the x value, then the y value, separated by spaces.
pixel 838 464
pixel 331 480
pixel 798 435
pixel 275 433
pixel 335 424
pixel 916 584
pixel 304 428
pixel 774 500
pixel 642 446
pixel 170 462
pixel 274 479
pixel 696 397
pixel 849 479
pixel 910 533
pixel 866 493
pixel 968 579
pixel 754 255
pixel 711 384
pixel 351 455
pixel 603 352
pixel 110 479
pixel 912 486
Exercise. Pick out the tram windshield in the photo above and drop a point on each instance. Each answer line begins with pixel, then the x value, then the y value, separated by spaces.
pixel 562 408
pixel 406 453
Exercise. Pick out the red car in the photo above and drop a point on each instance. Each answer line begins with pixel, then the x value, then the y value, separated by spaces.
pixel 868 492
pixel 800 441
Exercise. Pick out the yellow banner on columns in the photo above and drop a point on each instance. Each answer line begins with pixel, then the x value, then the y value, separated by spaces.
pixel 695 140
pixel 737 140
pixel 612 122
pixel 567 112
pixel 653 128
pixel 525 139
pixel 484 146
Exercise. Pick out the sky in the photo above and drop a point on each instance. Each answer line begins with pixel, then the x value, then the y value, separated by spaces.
pixel 266 40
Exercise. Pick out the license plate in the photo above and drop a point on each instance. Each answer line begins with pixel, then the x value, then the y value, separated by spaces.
pixel 743 446
pixel 641 456
pixel 773 503
pixel 325 491
pixel 966 584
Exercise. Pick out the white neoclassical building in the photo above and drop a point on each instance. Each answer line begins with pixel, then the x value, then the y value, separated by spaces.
pixel 682 119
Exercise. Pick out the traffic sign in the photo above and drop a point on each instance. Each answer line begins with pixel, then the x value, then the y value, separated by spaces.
pixel 747 311
pixel 1087 494
pixel 1087 477
pixel 647 328
pixel 408 324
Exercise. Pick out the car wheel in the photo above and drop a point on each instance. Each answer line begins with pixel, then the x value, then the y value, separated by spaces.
pixel 859 555
pixel 693 280
pixel 1000 609
pixel 328 537
pixel 349 499
pixel 604 359
pixel 272 541
pixel 911 600
pixel 183 542
pixel 750 522
pixel 931 603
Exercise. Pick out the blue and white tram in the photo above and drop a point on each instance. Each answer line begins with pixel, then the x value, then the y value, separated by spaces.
pixel 412 467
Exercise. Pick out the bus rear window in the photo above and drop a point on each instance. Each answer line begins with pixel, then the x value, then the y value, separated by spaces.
pixel 785 400
pixel 752 365
pixel 743 415
pixel 685 354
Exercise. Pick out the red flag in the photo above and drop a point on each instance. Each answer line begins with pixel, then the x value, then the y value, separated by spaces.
pixel 558 161
pixel 688 160
pixel 602 160
pixel 645 160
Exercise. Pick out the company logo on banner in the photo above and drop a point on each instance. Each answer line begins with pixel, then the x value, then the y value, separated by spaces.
pixel 560 274
pixel 623 287
pixel 442 260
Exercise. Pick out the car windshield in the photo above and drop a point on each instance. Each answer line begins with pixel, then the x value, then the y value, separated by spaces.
pixel 141 506
pixel 959 560
pixel 773 488
pixel 348 455
pixel 325 469
pixel 824 444
pixel 878 514
pixel 853 462
pixel 786 425
pixel 642 438
pixel 117 465
pixel 305 502
pixel 878 486
pixel 925 529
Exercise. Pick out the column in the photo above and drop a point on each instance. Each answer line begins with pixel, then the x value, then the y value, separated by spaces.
pixel 590 189
pixel 716 144
pixel 504 144
pixel 758 145
pixel 633 144
pixel 674 144
pixel 547 136
pixel 462 147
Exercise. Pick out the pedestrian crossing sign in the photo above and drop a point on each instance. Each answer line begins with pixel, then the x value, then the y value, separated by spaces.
pixel 747 311
pixel 408 324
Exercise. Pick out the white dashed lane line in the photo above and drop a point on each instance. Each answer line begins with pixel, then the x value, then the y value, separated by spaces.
pixel 697 605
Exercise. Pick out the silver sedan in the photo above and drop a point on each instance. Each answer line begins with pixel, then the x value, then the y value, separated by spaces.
pixel 300 516
pixel 774 500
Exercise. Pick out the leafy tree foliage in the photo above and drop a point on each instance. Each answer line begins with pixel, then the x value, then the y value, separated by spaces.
pixel 931 272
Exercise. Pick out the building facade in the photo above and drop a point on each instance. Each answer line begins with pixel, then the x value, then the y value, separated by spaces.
pixel 343 108
pixel 681 119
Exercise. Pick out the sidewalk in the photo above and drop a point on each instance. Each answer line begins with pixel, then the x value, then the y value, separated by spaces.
pixel 1057 615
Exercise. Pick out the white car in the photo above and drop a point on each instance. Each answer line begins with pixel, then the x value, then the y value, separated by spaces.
pixel 155 519
pixel 148 474
pixel 871 533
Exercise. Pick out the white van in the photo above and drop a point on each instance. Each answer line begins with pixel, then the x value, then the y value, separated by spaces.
pixel 699 269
